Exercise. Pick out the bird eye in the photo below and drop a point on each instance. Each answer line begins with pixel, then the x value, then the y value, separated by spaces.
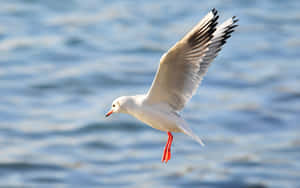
pixel 113 105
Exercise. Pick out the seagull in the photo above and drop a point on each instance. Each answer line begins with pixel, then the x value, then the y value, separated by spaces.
pixel 180 72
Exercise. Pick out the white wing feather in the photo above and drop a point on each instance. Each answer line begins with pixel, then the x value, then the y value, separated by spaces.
pixel 182 68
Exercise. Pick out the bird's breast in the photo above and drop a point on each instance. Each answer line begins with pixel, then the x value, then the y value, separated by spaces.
pixel 158 118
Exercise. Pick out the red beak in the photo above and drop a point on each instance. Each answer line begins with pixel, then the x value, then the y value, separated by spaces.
pixel 109 113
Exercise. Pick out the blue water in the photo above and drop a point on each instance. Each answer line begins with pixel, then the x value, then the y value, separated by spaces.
pixel 63 62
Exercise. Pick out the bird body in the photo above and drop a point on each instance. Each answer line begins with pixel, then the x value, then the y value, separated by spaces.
pixel 181 70
pixel 158 116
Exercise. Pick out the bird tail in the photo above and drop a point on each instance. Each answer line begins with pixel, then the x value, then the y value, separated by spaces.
pixel 188 131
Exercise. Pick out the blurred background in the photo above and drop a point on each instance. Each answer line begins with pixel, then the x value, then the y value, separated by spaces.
pixel 63 62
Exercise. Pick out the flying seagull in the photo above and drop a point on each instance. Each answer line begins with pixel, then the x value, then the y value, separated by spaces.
pixel 179 73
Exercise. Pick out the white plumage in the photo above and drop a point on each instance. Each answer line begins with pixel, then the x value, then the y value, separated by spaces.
pixel 179 74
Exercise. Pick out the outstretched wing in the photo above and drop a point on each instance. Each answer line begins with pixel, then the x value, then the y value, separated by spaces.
pixel 182 68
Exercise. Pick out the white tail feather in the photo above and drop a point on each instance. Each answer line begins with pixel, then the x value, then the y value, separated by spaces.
pixel 188 131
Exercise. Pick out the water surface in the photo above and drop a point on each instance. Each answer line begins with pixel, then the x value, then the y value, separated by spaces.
pixel 63 62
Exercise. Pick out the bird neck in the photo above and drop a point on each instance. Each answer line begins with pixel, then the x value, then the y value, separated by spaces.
pixel 134 103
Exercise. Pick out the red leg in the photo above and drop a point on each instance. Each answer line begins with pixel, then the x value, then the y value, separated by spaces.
pixel 164 158
pixel 170 143
pixel 167 151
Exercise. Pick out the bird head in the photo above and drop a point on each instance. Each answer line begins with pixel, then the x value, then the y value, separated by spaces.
pixel 118 106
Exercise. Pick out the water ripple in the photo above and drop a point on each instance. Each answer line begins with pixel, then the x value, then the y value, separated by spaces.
pixel 61 65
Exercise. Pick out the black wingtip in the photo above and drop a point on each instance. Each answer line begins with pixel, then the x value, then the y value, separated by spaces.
pixel 214 11
pixel 235 19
